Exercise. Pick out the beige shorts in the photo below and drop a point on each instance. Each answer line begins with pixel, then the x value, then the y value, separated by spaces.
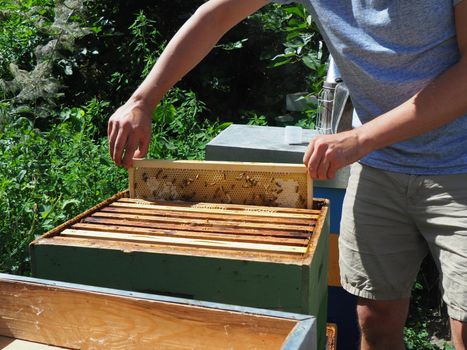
pixel 391 221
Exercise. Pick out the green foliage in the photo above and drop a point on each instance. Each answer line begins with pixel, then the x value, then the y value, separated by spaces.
pixel 145 37
pixel 417 338
pixel 46 178
pixel 33 92
pixel 178 130
pixel 255 119
pixel 427 326
pixel 21 24
pixel 304 44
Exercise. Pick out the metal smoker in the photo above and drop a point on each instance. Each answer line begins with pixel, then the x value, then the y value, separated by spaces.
pixel 335 109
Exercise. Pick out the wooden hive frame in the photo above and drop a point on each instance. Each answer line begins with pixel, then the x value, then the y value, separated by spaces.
pixel 266 184
pixel 74 316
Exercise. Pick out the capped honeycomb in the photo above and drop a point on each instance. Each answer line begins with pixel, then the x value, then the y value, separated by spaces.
pixel 275 185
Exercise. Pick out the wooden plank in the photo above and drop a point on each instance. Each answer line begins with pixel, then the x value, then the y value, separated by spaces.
pixel 226 208
pixel 190 234
pixel 78 319
pixel 214 209
pixel 219 165
pixel 295 341
pixel 16 344
pixel 206 222
pixel 183 241
pixel 55 231
pixel 171 250
pixel 130 209
pixel 196 228
pixel 131 181
pixel 309 191
pixel 334 277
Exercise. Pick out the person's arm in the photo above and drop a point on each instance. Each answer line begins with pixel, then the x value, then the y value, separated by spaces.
pixel 439 103
pixel 129 128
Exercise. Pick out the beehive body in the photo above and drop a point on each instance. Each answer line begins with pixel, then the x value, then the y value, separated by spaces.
pixel 261 256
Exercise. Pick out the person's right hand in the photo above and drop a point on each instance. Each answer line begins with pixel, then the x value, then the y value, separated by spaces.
pixel 129 131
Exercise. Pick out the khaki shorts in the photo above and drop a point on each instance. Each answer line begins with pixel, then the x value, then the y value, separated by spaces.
pixel 391 221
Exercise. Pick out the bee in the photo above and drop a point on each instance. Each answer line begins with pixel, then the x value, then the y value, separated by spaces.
pixel 158 173
pixel 232 186
pixel 279 191
pixel 225 177
pixel 239 177
pixel 301 200
pixel 145 177
pixel 296 189
pixel 197 177
pixel 174 180
pixel 278 184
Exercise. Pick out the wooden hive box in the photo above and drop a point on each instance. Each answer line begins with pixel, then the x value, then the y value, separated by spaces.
pixel 71 316
pixel 237 233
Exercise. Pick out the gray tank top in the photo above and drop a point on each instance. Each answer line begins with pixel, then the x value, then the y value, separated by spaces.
pixel 387 51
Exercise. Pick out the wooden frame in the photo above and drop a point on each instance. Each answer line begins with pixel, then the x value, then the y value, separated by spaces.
pixel 82 317
pixel 247 248
pixel 223 166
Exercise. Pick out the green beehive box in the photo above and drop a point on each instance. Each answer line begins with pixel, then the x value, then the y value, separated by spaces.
pixel 245 234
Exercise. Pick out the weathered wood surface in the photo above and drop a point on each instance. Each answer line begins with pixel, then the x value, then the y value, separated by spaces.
pixel 79 319
pixel 142 228
pixel 223 208
pixel 202 225
pixel 182 241
pixel 237 224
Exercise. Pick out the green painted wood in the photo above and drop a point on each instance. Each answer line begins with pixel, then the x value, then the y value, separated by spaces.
pixel 318 282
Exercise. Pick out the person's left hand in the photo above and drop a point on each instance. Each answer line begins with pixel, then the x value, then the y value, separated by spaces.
pixel 328 153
